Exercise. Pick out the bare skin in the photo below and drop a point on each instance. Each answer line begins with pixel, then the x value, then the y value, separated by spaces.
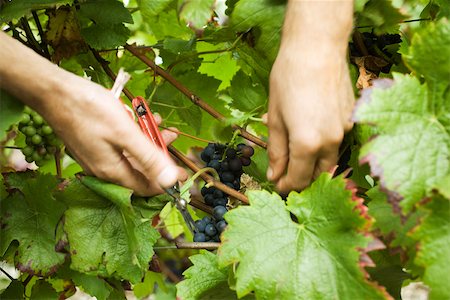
pixel 311 97
pixel 92 123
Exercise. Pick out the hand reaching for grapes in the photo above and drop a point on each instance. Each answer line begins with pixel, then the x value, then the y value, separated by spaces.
pixel 311 97
pixel 93 124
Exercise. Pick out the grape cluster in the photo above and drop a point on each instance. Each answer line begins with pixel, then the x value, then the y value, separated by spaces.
pixel 41 142
pixel 228 162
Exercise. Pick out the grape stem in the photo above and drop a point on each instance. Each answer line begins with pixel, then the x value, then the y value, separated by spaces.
pixel 184 159
pixel 58 163
pixel 188 245
pixel 185 134
pixel 194 98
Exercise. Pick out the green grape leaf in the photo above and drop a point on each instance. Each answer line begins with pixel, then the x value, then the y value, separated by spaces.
pixel 145 288
pixel 205 280
pixel 92 285
pixel 429 52
pixel 173 221
pixel 280 258
pixel 16 9
pixel 411 151
pixel 433 254
pixel 381 15
pixel 165 23
pixel 105 12
pixel 388 271
pixel 15 290
pixel 10 112
pixel 105 36
pixel 30 216
pixel 265 18
pixel 151 9
pixel 443 186
pixel 359 172
pixel 106 236
pixel 248 96
pixel 221 66
pixel 43 290
pixel 196 13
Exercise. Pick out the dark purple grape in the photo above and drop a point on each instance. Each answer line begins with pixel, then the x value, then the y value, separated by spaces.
pixel 227 177
pixel 230 153
pixel 205 191
pixel 216 239
pixel 225 165
pixel 221 225
pixel 215 164
pixel 245 161
pixel 207 219
pixel 229 184
pixel 235 164
pixel 210 230
pixel 209 199
pixel 219 211
pixel 200 225
pixel 240 146
pixel 247 151
pixel 218 193
pixel 220 202
pixel 236 185
pixel 199 237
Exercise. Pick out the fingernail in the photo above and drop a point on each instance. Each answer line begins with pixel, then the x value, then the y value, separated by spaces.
pixel 269 173
pixel 168 176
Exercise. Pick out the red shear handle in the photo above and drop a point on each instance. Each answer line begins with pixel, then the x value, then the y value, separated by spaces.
pixel 148 124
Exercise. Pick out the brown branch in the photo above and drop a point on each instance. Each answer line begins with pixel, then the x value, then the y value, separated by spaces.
pixel 197 245
pixel 167 271
pixel 208 178
pixel 110 73
pixel 194 98
pixel 58 163
pixel 201 205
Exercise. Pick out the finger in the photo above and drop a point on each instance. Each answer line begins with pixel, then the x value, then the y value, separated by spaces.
pixel 277 149
pixel 157 118
pixel 169 136
pixel 154 163
pixel 264 118
pixel 300 171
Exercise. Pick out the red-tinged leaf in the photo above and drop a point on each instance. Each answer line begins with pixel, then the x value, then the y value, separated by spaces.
pixel 278 257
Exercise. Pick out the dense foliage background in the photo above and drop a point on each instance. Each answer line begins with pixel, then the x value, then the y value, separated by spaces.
pixel 360 237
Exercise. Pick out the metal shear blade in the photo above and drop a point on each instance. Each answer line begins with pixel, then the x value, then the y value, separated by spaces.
pixel 181 205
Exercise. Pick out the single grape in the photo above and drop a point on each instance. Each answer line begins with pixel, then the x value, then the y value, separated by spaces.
pixel 218 193
pixel 240 146
pixel 215 164
pixel 227 176
pixel 235 164
pixel 36 157
pixel 36 139
pixel 219 211
pixel 38 120
pixel 200 225
pixel 27 151
pixel 246 161
pixel 199 237
pixel 24 119
pixel 221 225
pixel 220 202
pixel 29 130
pixel 209 199
pixel 247 151
pixel 236 185
pixel 231 153
pixel 217 157
pixel 224 166
pixel 207 219
pixel 47 130
pixel 41 150
pixel 210 230
pixel 27 110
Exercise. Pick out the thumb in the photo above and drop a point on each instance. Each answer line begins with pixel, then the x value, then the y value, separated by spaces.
pixel 153 162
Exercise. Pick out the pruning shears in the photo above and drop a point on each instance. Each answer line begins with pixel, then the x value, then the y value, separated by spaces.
pixel 150 129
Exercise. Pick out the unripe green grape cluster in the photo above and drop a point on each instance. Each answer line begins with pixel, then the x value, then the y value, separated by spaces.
pixel 41 141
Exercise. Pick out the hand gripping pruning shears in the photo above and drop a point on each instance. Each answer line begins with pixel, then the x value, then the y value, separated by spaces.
pixel 150 129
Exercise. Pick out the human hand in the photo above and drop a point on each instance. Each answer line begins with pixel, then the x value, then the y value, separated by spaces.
pixel 105 141
pixel 310 108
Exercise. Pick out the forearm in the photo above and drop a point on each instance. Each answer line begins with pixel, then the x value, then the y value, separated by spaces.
pixel 28 76
pixel 317 27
